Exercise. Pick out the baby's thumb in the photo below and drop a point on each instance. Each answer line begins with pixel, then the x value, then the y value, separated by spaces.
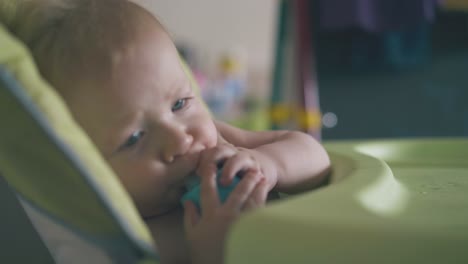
pixel 191 215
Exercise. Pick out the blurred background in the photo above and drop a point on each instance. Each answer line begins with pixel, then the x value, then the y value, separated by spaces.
pixel 337 69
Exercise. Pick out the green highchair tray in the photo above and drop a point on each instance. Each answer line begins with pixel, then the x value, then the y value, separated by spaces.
pixel 388 201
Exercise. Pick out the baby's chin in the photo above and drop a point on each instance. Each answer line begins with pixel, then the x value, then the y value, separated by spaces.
pixel 172 204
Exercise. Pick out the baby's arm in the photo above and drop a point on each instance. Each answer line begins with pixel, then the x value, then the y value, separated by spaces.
pixel 287 161
pixel 291 161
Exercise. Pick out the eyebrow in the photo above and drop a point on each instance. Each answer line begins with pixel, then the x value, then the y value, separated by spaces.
pixel 178 86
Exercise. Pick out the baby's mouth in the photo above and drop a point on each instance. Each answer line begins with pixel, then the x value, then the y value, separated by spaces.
pixel 187 182
pixel 191 181
pixel 192 159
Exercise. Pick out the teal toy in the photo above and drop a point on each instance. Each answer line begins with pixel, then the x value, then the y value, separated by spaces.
pixel 194 189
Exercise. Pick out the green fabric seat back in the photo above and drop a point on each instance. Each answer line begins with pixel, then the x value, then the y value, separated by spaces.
pixel 49 161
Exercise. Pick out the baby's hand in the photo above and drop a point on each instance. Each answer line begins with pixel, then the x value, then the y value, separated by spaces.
pixel 206 233
pixel 236 161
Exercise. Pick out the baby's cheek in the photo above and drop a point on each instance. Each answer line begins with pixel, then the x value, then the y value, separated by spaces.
pixel 136 180
pixel 150 197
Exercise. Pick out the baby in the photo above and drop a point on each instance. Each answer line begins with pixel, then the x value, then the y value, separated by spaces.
pixel 120 74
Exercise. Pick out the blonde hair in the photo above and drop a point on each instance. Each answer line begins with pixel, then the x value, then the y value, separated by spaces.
pixel 74 36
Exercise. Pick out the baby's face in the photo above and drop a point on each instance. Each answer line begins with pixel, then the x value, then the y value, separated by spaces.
pixel 147 122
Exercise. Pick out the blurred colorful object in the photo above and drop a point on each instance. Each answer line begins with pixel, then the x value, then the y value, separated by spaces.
pixel 456 4
pixel 375 15
pixel 294 97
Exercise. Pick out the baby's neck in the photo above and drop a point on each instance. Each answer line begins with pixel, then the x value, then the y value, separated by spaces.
pixel 168 233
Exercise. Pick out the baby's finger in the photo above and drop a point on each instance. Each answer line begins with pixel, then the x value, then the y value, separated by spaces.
pixel 242 191
pixel 240 162
pixel 209 158
pixel 209 199
pixel 206 167
pixel 258 197
pixel 206 170
pixel 191 215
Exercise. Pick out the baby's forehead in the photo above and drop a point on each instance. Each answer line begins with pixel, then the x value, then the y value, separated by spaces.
pixel 91 39
pixel 102 63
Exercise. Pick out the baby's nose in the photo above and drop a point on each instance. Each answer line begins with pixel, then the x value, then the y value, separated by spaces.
pixel 177 144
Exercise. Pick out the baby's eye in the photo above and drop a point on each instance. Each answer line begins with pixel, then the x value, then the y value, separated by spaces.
pixel 179 104
pixel 133 139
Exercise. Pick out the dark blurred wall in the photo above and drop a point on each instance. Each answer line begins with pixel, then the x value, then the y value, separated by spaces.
pixel 405 83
